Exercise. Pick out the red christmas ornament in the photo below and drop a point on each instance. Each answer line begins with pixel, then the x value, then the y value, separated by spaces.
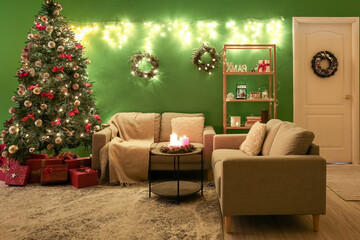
pixel 9 122
pixel 56 69
pixel 97 117
pixel 49 95
pixel 56 122
pixel 68 56
pixel 87 84
pixel 23 74
pixel 32 87
pixel 87 127
pixel 24 119
pixel 39 27
pixel 79 46
pixel 72 113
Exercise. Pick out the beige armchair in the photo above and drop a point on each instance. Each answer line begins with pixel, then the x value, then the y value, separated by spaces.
pixel 267 185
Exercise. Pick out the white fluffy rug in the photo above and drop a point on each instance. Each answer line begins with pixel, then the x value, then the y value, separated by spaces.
pixel 106 212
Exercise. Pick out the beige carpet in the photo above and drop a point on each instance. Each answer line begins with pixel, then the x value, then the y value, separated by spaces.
pixel 344 180
pixel 106 212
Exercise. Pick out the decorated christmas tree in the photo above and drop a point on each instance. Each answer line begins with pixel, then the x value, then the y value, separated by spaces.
pixel 55 108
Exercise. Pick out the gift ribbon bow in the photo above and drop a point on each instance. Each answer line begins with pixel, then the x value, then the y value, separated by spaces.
pixel 68 56
pixel 78 46
pixel 33 86
pixel 57 121
pixel 87 127
pixel 38 26
pixel 56 69
pixel 49 95
pixel 98 118
pixel 9 122
pixel 48 170
pixel 24 119
pixel 263 66
pixel 72 113
pixel 87 84
pixel 23 74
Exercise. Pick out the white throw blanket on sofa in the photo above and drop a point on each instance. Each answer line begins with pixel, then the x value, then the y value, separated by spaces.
pixel 127 155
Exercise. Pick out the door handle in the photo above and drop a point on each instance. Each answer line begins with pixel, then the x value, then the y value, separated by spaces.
pixel 347 96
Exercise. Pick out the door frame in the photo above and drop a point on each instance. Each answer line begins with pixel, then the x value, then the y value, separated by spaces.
pixel 354 21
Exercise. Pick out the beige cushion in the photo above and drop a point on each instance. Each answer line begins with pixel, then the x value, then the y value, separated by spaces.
pixel 254 139
pixel 291 140
pixel 165 129
pixel 272 128
pixel 191 127
pixel 157 127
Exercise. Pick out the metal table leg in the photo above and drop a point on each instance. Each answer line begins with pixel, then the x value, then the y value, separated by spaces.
pixel 202 172
pixel 178 183
pixel 149 174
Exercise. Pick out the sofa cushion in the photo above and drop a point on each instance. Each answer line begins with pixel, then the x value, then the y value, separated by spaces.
pixel 272 128
pixel 157 121
pixel 191 127
pixel 165 128
pixel 219 155
pixel 291 140
pixel 254 139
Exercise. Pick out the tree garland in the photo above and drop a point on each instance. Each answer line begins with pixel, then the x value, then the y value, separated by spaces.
pixel 318 70
pixel 196 57
pixel 136 59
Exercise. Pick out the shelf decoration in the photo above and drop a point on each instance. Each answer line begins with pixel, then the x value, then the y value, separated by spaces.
pixel 237 68
pixel 254 95
pixel 241 92
pixel 264 66
pixel 138 58
pixel 235 121
pixel 318 70
pixel 205 49
pixel 230 96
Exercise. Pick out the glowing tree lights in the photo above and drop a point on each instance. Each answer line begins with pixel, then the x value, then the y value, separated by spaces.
pixel 55 108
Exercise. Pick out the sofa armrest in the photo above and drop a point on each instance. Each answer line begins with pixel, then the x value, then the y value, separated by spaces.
pixel 313 150
pixel 208 135
pixel 266 185
pixel 228 141
pixel 99 139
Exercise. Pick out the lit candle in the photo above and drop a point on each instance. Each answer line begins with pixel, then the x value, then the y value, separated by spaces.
pixel 186 141
pixel 173 139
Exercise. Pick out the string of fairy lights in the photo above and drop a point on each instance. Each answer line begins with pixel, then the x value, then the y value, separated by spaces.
pixel 117 33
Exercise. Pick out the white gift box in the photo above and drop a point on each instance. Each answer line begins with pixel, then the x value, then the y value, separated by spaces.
pixel 264 66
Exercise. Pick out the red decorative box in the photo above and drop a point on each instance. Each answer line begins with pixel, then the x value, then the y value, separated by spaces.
pixel 17 175
pixel 37 164
pixel 83 177
pixel 78 162
pixel 54 174
pixel 38 155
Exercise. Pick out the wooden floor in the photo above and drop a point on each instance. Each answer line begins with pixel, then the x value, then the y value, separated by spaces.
pixel 342 221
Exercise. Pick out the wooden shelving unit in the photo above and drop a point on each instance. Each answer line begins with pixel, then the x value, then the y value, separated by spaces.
pixel 271 48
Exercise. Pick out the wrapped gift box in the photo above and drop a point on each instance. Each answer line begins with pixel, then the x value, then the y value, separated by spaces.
pixel 264 66
pixel 54 174
pixel 36 166
pixel 83 177
pixel 17 175
pixel 78 162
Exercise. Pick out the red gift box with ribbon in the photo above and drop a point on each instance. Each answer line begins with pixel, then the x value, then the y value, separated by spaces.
pixel 38 155
pixel 17 175
pixel 83 177
pixel 54 174
pixel 36 166
pixel 78 162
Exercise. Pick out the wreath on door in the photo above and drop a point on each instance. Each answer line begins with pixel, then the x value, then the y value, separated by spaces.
pixel 324 56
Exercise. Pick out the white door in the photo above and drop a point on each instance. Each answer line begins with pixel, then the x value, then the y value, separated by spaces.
pixel 326 105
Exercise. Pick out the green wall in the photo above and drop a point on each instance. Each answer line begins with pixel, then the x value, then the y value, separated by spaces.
pixel 181 87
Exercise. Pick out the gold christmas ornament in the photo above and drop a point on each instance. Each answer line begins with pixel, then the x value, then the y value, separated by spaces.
pixel 59 7
pixel 46 75
pixel 60 48
pixel 32 72
pixel 38 63
pixel 44 138
pixel 22 87
pixel 30 36
pixel 44 19
pixel 38 123
pixel 43 106
pixel 3 132
pixel 64 90
pixel 97 128
pixel 76 67
pixel 70 134
pixel 50 29
pixel 21 92
pixel 56 13
pixel 90 91
pixel 58 140
pixel 75 86
pixel 61 29
pixel 12 110
pixel 13 129
pixel 62 39
pixel 58 77
pixel 37 91
pixel 31 150
pixel 4 154
pixel 36 36
pixel 51 44
pixel 27 103
pixel 88 62
pixel 76 75
pixel 13 98
pixel 49 147
pixel 13 149
pixel 77 103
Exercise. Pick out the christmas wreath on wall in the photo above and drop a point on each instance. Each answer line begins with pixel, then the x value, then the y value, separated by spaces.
pixel 321 56
pixel 197 55
pixel 138 58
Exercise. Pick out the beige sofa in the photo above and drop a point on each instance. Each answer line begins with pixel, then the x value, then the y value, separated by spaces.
pixel 162 134
pixel 272 183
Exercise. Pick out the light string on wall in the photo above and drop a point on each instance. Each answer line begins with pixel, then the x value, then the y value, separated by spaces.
pixel 116 33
